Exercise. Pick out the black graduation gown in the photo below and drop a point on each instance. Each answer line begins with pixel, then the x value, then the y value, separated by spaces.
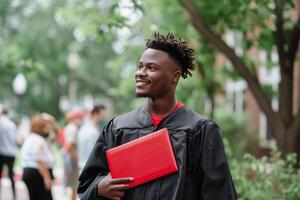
pixel 197 143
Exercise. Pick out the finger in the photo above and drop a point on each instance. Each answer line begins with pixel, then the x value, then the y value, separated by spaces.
pixel 119 194
pixel 121 180
pixel 120 187
pixel 116 198
pixel 108 176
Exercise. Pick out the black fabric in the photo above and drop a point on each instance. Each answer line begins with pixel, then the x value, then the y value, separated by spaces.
pixel 35 184
pixel 9 162
pixel 203 170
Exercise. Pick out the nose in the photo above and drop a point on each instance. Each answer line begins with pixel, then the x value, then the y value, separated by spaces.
pixel 140 72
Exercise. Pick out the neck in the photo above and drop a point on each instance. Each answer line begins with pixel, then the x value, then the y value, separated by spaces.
pixel 162 106
pixel 94 120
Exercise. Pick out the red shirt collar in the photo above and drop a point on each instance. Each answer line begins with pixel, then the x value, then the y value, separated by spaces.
pixel 157 118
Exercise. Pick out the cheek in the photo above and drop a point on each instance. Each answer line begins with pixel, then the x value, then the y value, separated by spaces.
pixel 135 73
pixel 162 82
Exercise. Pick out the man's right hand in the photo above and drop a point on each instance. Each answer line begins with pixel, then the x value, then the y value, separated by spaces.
pixel 113 188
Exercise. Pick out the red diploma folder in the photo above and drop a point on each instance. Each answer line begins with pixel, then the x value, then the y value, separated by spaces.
pixel 145 159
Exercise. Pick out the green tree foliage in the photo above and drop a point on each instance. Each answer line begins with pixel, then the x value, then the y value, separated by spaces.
pixel 35 46
pixel 265 25
pixel 37 38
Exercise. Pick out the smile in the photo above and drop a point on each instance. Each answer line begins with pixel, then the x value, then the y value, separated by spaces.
pixel 141 82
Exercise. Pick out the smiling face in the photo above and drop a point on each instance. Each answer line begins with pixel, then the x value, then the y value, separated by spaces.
pixel 157 74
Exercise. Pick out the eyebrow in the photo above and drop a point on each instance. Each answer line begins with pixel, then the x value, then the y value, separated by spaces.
pixel 149 63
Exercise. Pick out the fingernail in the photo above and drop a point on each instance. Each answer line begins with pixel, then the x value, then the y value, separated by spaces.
pixel 131 178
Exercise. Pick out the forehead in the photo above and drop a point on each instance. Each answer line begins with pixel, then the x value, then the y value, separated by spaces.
pixel 155 56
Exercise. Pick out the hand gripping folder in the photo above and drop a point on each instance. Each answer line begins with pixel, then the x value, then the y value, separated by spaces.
pixel 145 159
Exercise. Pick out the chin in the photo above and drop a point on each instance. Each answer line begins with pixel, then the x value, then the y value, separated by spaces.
pixel 139 94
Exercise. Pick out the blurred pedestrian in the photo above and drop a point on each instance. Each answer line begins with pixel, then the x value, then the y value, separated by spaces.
pixel 8 146
pixel 88 134
pixel 53 134
pixel 38 159
pixel 71 171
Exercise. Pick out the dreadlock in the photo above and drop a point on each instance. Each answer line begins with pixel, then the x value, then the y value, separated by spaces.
pixel 178 49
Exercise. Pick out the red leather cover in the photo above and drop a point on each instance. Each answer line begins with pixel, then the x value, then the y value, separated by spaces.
pixel 145 159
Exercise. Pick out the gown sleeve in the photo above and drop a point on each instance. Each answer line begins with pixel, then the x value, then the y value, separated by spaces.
pixel 210 163
pixel 96 167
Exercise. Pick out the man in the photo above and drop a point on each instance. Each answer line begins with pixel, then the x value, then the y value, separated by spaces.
pixel 203 170
pixel 8 146
pixel 88 134
pixel 71 171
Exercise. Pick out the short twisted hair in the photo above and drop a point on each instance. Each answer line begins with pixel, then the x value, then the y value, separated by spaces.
pixel 178 49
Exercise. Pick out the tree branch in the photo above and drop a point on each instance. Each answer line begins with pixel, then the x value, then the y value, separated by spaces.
pixel 294 131
pixel 295 125
pixel 294 42
pixel 239 65
pixel 255 75
pixel 100 84
pixel 201 69
pixel 279 34
pixel 286 65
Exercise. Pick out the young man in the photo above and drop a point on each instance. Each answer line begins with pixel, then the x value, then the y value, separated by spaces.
pixel 88 134
pixel 203 170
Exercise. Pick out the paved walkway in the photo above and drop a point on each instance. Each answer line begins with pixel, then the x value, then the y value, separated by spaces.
pixel 58 191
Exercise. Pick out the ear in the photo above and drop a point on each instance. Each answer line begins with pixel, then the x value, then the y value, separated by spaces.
pixel 176 76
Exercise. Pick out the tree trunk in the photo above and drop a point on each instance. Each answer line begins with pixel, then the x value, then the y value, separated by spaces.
pixel 210 87
pixel 212 112
pixel 286 68
pixel 253 84
pixel 285 126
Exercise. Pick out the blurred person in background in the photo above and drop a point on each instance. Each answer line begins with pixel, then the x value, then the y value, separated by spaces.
pixel 38 159
pixel 88 134
pixel 8 146
pixel 23 128
pixel 71 171
pixel 53 134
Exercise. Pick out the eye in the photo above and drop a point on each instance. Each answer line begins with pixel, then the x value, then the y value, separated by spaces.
pixel 139 67
pixel 151 67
